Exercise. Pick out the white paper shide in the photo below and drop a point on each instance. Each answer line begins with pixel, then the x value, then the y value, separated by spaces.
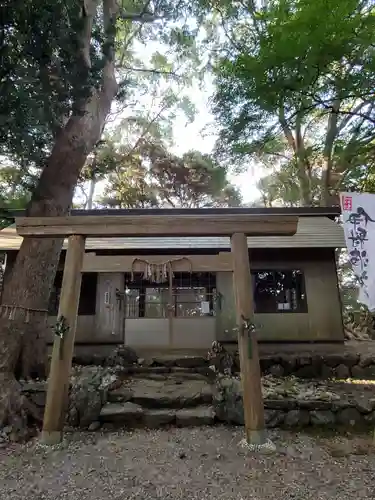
pixel 358 214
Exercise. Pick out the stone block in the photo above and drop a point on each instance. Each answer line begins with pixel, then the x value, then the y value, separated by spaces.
pixel 313 404
pixel 94 426
pixel 370 418
pixel 121 395
pixel 342 371
pixel 277 370
pixel 274 418
pixel 191 362
pixel 349 417
pixel 303 361
pixel 357 372
pixel 34 386
pixel 38 398
pixel 280 404
pixel 350 359
pixel 366 360
pixel 333 360
pixel 201 415
pixel 369 372
pixel 297 418
pixel 267 362
pixel 158 418
pixel 289 364
pixel 322 418
pixel 364 405
pixel 307 371
pixel 326 372
pixel 126 413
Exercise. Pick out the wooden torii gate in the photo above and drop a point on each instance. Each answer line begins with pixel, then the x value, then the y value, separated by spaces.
pixel 78 228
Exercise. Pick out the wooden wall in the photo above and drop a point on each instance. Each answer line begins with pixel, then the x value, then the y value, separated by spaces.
pixel 85 328
pixel 226 307
pixel 188 333
pixel 107 325
pixel 180 263
pixel 323 321
pixel 109 319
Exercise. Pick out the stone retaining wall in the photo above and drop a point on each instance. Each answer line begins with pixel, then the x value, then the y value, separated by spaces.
pixel 308 366
pixel 342 366
pixel 316 413
pixel 324 366
pixel 319 407
pixel 288 402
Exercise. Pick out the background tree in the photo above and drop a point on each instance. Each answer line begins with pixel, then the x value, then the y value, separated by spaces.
pixel 297 92
pixel 151 122
pixel 153 177
pixel 70 59
pixel 282 188
pixel 15 187
pixel 193 181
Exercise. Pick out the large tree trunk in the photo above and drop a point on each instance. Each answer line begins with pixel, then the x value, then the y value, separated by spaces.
pixel 297 145
pixel 304 183
pixel 23 322
pixel 326 198
pixel 90 197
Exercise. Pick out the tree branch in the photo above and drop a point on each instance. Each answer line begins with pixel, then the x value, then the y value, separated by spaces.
pixel 359 115
pixel 346 120
pixel 143 17
pixel 228 35
pixel 150 70
pixel 109 86
pixel 125 16
pixel 148 127
pixel 331 134
pixel 134 33
pixel 88 13
pixel 286 129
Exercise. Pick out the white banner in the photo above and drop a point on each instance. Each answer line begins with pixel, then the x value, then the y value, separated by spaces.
pixel 358 214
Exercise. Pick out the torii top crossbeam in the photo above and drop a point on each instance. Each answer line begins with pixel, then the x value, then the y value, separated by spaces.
pixel 221 224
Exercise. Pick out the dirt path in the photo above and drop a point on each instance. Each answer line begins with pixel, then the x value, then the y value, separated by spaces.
pixel 204 463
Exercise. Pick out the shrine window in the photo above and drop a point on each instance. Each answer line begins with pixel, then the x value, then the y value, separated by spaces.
pixel 87 299
pixel 279 291
pixel 191 295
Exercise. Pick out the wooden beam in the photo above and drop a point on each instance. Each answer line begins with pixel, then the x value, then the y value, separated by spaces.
pixel 155 225
pixel 123 263
pixel 247 343
pixel 61 361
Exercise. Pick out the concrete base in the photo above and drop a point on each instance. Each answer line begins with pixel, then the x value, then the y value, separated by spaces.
pixel 266 448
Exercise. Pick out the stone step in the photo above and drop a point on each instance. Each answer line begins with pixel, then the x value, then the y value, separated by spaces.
pixel 170 392
pixel 144 370
pixel 133 415
pixel 180 361
pixel 172 401
pixel 124 413
pixel 180 377
pixel 121 395
pixel 190 417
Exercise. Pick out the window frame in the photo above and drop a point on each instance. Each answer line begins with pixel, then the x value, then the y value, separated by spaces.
pixel 181 280
pixel 89 281
pixel 206 291
pixel 302 302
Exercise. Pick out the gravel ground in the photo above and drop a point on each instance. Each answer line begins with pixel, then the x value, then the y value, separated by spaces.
pixel 200 464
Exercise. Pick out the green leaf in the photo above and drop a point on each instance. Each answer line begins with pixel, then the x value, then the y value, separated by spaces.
pixel 188 107
pixel 293 90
